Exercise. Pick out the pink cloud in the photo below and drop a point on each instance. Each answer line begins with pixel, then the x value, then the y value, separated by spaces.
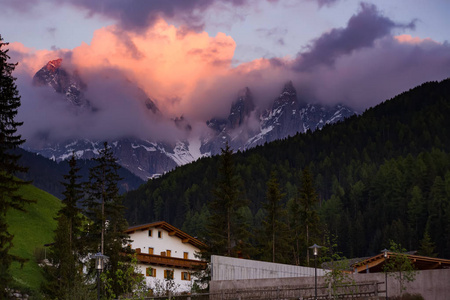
pixel 408 39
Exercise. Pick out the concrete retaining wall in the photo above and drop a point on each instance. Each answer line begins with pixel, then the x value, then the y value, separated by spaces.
pixel 229 268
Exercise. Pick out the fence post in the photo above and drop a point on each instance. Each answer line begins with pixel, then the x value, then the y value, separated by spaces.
pixel 329 290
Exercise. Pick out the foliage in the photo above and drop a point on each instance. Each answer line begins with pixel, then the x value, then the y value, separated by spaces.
pixel 66 253
pixel 399 266
pixel 164 288
pixel 275 235
pixel 408 296
pixel 226 230
pixel 338 276
pixel 10 199
pixel 307 210
pixel 426 246
pixel 128 277
pixel 103 207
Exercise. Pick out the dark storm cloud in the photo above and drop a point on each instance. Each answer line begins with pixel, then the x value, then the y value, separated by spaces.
pixel 325 2
pixel 139 14
pixel 135 15
pixel 361 32
pixel 372 75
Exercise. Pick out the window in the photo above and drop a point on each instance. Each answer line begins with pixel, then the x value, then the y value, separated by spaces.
pixel 168 274
pixel 186 255
pixel 185 276
pixel 150 250
pixel 168 253
pixel 160 234
pixel 149 232
pixel 151 272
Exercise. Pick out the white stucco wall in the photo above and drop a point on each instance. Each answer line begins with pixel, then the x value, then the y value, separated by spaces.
pixel 180 285
pixel 141 239
pixel 166 242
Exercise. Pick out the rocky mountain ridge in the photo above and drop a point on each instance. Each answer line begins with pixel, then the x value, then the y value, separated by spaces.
pixel 246 126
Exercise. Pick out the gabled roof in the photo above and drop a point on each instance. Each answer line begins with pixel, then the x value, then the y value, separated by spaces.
pixel 172 230
pixel 375 263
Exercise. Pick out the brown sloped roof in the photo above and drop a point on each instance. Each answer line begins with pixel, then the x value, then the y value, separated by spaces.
pixel 172 230
pixel 375 263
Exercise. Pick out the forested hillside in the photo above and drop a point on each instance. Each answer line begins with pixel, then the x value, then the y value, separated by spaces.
pixel 382 175
pixel 47 174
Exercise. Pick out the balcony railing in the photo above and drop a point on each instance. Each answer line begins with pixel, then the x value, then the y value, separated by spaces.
pixel 170 261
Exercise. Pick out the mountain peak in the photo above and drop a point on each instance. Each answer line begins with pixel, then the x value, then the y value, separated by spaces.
pixel 287 97
pixel 53 65
pixel 241 108
pixel 68 85
pixel 289 87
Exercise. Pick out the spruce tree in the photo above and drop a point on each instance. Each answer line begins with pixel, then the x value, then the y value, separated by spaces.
pixel 307 209
pixel 227 233
pixel 9 166
pixel 65 270
pixel 103 206
pixel 275 229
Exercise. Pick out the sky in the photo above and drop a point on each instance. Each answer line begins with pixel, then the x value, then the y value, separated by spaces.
pixel 192 57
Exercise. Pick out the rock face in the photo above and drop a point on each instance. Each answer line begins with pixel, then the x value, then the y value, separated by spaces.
pixel 69 85
pixel 245 127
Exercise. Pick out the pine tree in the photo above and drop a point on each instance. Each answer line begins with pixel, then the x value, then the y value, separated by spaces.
pixel 274 225
pixel 427 246
pixel 9 166
pixel 227 233
pixel 103 206
pixel 64 272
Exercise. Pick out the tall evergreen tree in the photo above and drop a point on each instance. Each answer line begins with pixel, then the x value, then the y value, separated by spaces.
pixel 276 240
pixel 9 166
pixel 64 272
pixel 426 246
pixel 227 234
pixel 308 201
pixel 103 206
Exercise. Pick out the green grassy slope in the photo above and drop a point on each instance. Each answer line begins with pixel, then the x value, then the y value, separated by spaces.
pixel 32 230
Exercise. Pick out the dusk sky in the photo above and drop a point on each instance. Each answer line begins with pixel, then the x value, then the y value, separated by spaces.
pixel 192 57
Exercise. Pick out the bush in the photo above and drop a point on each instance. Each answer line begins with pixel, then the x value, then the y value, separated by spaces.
pixel 408 296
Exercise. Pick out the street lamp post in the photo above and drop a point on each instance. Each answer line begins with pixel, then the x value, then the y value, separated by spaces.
pixel 385 254
pixel 315 248
pixel 99 266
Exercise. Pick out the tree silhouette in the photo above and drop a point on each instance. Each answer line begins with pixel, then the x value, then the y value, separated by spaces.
pixel 9 166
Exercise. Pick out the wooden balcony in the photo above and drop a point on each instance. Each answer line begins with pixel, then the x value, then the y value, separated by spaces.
pixel 174 262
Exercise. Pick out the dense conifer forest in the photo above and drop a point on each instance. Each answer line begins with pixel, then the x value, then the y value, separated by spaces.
pixel 380 176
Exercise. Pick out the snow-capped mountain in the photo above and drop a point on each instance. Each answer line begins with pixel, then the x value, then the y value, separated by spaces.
pixel 245 127
pixel 287 117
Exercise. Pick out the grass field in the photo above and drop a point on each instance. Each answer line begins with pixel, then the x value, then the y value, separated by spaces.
pixel 32 230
